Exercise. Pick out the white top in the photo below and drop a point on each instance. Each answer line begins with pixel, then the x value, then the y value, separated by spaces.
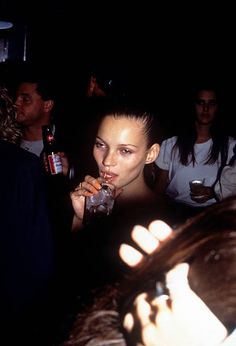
pixel 180 175
pixel 227 185
pixel 34 147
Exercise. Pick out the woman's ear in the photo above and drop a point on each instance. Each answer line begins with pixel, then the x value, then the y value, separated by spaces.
pixel 152 153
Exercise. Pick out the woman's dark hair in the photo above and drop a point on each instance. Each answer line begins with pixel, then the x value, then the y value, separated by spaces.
pixel 128 108
pixel 207 242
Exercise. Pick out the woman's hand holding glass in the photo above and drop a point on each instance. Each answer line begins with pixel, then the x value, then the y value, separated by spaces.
pixel 88 187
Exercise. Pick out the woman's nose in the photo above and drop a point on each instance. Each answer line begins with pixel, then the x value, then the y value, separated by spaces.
pixel 109 159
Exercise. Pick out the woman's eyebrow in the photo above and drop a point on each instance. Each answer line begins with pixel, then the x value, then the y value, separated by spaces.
pixel 120 144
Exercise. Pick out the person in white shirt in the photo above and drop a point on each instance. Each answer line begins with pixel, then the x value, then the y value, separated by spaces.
pixel 197 153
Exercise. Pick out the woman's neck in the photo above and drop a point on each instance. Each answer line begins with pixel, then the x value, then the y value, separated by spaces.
pixel 136 191
pixel 203 134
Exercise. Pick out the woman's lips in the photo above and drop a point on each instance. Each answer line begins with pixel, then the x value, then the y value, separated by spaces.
pixel 108 176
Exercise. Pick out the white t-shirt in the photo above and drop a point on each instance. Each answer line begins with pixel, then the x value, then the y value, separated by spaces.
pixel 180 175
pixel 34 147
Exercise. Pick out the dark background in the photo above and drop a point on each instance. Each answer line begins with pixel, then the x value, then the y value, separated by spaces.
pixel 158 49
pixel 162 41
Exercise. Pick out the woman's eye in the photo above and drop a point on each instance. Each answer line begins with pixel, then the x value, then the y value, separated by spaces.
pixel 98 144
pixel 126 151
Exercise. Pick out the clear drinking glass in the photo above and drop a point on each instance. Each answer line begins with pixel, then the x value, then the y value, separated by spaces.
pixel 100 204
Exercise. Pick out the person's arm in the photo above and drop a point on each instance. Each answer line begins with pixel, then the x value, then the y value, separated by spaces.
pixel 226 186
pixel 77 224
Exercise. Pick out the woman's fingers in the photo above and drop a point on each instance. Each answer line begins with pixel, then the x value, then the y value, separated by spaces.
pixel 147 239
pixel 160 230
pixel 157 332
pixel 144 239
pixel 91 184
pixel 130 255
pixel 154 332
pixel 78 192
pixel 88 187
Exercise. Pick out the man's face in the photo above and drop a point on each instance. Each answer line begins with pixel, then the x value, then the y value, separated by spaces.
pixel 30 105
